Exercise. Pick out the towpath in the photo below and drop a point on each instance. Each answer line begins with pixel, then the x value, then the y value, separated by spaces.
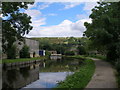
pixel 104 76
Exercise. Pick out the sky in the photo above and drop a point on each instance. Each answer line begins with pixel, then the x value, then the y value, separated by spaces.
pixel 59 19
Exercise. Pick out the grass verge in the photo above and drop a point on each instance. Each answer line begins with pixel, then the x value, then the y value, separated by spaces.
pixel 21 59
pixel 118 79
pixel 97 56
pixel 81 78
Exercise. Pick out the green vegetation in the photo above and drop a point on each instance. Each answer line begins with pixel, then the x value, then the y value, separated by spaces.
pixel 15 25
pixel 97 56
pixel 118 80
pixel 117 66
pixel 81 50
pixel 55 40
pixel 61 45
pixel 21 59
pixel 106 36
pixel 81 78
pixel 77 57
pixel 69 53
pixel 12 52
pixel 24 52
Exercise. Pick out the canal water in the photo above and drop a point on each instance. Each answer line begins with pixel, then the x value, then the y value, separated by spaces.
pixel 46 74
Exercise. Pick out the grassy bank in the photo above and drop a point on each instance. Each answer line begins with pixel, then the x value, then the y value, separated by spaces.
pixel 21 59
pixel 81 78
pixel 118 79
pixel 97 56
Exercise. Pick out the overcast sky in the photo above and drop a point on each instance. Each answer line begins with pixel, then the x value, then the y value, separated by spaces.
pixel 59 19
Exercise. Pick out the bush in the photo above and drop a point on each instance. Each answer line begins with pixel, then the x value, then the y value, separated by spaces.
pixel 24 52
pixel 81 50
pixel 117 65
pixel 47 53
pixel 11 53
pixel 69 53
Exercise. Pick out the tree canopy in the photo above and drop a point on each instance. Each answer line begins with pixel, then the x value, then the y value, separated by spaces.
pixel 105 27
pixel 15 24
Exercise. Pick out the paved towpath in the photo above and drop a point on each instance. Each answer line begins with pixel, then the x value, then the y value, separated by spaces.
pixel 104 76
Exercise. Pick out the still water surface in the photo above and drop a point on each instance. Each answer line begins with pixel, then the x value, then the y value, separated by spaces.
pixel 39 75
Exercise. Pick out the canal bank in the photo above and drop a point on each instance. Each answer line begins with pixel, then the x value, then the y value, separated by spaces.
pixel 80 78
pixel 49 74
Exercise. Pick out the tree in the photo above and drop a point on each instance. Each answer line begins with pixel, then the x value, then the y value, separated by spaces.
pixel 24 52
pixel 81 50
pixel 105 28
pixel 15 24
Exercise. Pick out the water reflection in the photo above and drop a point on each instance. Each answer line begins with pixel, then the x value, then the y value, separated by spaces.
pixel 60 65
pixel 49 79
pixel 17 77
pixel 44 74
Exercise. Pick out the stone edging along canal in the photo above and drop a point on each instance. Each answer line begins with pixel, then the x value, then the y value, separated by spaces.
pixel 22 63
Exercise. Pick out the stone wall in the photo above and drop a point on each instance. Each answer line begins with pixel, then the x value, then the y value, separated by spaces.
pixel 32 44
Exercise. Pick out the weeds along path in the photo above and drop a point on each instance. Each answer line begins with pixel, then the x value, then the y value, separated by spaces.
pixel 104 76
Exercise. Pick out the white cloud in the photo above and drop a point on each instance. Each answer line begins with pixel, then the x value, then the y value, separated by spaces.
pixel 81 16
pixel 64 29
pixel 38 22
pixel 66 0
pixel 44 5
pixel 33 13
pixel 69 5
pixel 89 6
pixel 36 16
pixel 32 6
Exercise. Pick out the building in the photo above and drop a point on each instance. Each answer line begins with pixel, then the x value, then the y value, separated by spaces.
pixel 52 52
pixel 32 44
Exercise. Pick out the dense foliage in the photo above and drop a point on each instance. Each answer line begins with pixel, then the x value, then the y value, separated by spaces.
pixel 61 45
pixel 15 24
pixel 12 52
pixel 69 53
pixel 104 30
pixel 81 50
pixel 24 52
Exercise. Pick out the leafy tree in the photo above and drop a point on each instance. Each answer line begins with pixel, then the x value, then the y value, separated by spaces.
pixel 15 24
pixel 12 52
pixel 81 50
pixel 45 45
pixel 105 28
pixel 24 52
pixel 69 53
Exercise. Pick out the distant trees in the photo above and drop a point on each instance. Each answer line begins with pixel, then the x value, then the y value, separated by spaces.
pixel 15 24
pixel 69 53
pixel 76 45
pixel 81 50
pixel 104 31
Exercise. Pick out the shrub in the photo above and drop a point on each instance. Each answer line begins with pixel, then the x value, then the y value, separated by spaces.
pixel 81 50
pixel 24 52
pixel 47 53
pixel 69 53
pixel 11 53
pixel 117 65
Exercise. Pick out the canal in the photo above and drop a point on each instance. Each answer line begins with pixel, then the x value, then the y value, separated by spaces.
pixel 46 74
